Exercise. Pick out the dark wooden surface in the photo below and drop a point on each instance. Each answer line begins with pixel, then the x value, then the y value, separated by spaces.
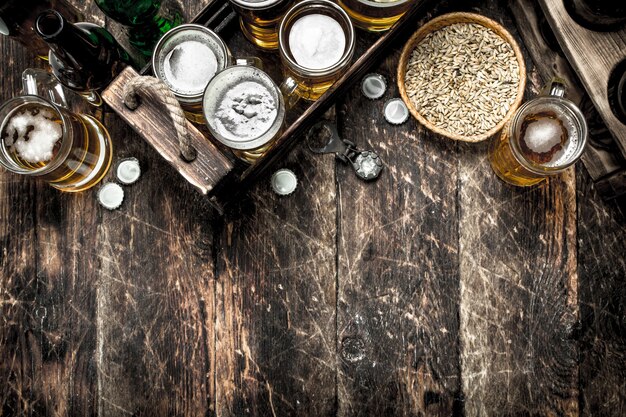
pixel 437 290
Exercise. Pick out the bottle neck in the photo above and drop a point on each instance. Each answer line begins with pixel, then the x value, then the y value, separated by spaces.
pixel 64 38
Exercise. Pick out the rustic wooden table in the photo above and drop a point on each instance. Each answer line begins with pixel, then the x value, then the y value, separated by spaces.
pixel 437 290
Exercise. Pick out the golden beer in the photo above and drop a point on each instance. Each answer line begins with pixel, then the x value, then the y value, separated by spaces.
pixel 259 20
pixel 373 15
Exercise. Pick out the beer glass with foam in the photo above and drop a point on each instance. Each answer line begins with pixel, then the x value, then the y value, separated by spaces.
pixel 316 42
pixel 40 137
pixel 545 136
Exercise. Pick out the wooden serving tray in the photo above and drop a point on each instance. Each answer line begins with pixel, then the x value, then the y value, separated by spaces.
pixel 218 174
pixel 593 55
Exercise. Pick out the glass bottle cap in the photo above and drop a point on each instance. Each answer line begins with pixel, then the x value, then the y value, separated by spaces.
pixel 396 112
pixel 373 86
pixel 128 171
pixel 110 195
pixel 284 182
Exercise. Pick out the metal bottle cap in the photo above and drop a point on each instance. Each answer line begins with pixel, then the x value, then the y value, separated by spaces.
pixel 128 171
pixel 284 182
pixel 110 195
pixel 396 112
pixel 373 86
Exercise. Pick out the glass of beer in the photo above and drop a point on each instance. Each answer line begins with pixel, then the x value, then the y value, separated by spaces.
pixel 259 20
pixel 245 110
pixel 185 59
pixel 375 15
pixel 545 136
pixel 39 138
pixel 316 42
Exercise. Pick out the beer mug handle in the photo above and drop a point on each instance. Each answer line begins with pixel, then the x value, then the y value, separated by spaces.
pixel 41 83
pixel 250 61
pixel 555 88
pixel 288 89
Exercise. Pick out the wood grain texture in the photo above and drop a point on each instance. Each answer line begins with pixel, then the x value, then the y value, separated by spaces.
pixel 398 282
pixel 518 293
pixel 593 55
pixel 155 294
pixel 602 296
pixel 275 329
pixel 157 128
pixel 47 321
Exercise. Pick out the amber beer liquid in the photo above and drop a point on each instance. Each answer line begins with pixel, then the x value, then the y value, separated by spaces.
pixel 72 152
pixel 545 137
pixel 375 15
pixel 259 20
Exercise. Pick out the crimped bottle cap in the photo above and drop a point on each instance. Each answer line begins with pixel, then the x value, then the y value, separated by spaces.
pixel 396 112
pixel 128 171
pixel 284 182
pixel 373 86
pixel 110 195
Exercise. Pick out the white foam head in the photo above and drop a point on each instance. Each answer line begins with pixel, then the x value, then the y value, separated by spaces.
pixel 32 135
pixel 545 133
pixel 317 41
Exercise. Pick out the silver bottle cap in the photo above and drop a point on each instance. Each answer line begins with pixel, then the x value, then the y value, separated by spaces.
pixel 128 171
pixel 396 112
pixel 4 29
pixel 284 182
pixel 110 195
pixel 374 86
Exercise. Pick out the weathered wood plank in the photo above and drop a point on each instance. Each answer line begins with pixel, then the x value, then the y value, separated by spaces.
pixel 155 293
pixel 398 267
pixel 602 296
pixel 48 324
pixel 275 329
pixel 518 292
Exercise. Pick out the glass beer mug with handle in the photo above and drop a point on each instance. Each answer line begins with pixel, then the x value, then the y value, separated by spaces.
pixel 41 137
pixel 545 136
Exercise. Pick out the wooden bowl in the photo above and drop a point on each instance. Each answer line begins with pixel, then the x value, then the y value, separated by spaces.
pixel 436 24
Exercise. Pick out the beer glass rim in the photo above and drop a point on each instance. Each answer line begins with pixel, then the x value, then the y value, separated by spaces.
pixel 581 124
pixel 382 4
pixel 259 140
pixel 256 5
pixel 294 12
pixel 58 159
pixel 188 98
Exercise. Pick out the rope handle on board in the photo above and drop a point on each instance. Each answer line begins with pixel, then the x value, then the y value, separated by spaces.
pixel 144 85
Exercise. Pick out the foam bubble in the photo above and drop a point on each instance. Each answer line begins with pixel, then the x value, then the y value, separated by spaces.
pixel 33 136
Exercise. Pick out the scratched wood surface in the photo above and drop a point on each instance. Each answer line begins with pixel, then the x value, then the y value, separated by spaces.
pixel 435 291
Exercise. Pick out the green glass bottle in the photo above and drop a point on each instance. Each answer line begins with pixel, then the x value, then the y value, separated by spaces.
pixel 84 57
pixel 145 26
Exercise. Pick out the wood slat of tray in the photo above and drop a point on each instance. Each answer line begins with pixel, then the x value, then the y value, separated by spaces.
pixel 156 127
pixel 593 55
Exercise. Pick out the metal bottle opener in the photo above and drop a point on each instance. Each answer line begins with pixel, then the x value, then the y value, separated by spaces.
pixel 367 164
